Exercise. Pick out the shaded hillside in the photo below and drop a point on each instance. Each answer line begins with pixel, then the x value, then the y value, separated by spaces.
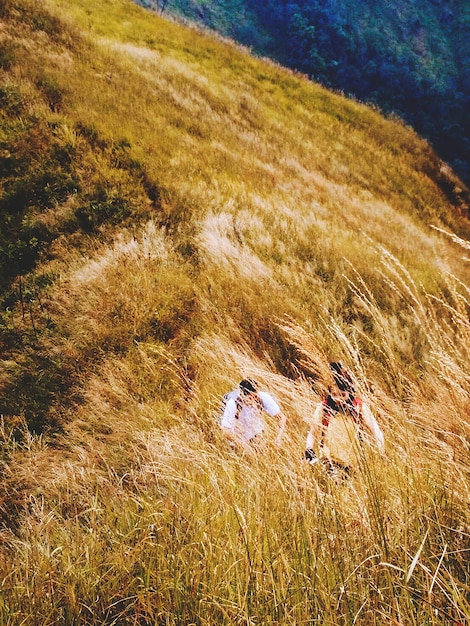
pixel 410 58
pixel 203 152
pixel 176 215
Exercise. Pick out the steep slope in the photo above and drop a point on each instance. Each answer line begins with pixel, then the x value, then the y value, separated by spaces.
pixel 406 56
pixel 205 152
pixel 175 215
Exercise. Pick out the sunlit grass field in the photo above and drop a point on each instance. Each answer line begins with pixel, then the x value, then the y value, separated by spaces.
pixel 180 215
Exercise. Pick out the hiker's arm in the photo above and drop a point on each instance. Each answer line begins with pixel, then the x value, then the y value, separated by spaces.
pixel 314 433
pixel 272 408
pixel 229 420
pixel 371 423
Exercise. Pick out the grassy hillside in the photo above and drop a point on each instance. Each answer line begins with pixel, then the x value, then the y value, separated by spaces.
pixel 407 56
pixel 176 215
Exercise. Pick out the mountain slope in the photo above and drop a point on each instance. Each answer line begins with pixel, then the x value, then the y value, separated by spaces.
pixel 405 56
pixel 211 154
pixel 177 215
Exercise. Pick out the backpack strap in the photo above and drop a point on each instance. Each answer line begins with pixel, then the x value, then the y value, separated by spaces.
pixel 358 418
pixel 325 420
pixel 240 404
pixel 357 414
pixel 232 395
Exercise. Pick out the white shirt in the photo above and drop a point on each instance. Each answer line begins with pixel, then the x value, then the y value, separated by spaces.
pixel 250 422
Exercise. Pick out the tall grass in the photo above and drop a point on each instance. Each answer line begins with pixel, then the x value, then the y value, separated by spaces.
pixel 198 216
pixel 169 525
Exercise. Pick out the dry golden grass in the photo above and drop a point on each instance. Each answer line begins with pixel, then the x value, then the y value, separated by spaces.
pixel 228 219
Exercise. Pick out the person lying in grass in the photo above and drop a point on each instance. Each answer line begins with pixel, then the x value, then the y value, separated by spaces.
pixel 242 420
pixel 340 425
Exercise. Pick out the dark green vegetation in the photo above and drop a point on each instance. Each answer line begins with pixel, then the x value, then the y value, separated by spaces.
pixel 408 57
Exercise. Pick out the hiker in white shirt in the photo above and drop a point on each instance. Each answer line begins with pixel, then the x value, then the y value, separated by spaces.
pixel 242 420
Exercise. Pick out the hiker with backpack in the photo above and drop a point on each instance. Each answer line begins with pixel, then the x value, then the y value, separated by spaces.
pixel 242 420
pixel 340 424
